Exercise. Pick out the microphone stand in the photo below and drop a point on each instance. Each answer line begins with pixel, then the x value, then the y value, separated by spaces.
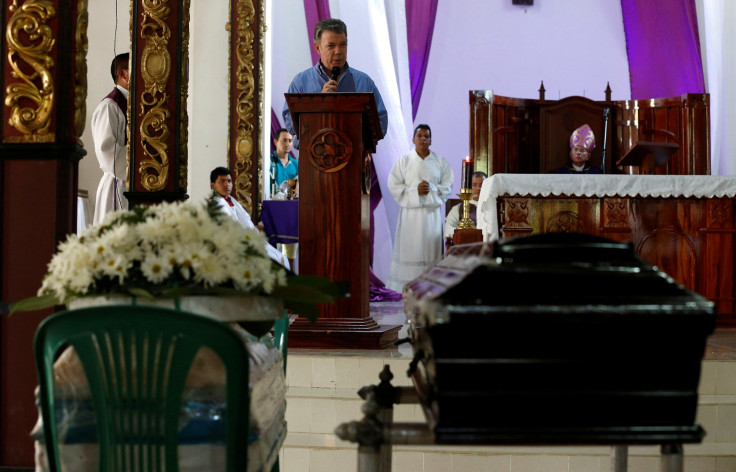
pixel 605 136
pixel 273 176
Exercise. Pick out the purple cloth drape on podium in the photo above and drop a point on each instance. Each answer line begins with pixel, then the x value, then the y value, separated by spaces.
pixel 281 221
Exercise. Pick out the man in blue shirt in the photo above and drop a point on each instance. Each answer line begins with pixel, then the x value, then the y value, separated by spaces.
pixel 331 42
pixel 283 166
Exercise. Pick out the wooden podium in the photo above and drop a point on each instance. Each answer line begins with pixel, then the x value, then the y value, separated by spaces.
pixel 337 131
pixel 647 156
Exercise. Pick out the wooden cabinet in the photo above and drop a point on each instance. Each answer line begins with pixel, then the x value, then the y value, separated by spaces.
pixel 519 135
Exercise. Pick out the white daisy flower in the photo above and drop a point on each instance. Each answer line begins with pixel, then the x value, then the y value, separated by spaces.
pixel 156 269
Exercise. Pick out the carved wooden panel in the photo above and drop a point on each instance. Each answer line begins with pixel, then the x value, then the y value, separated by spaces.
pixel 615 215
pixel 516 216
pixel 691 239
pixel 504 133
pixel 683 120
pixel 43 76
pixel 668 247
pixel 330 150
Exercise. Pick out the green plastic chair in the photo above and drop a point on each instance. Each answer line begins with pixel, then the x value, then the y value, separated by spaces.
pixel 138 412
pixel 281 336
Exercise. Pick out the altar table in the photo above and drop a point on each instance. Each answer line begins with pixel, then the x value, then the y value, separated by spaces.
pixel 683 224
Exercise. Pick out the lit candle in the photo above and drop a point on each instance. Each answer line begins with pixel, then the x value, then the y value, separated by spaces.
pixel 467 182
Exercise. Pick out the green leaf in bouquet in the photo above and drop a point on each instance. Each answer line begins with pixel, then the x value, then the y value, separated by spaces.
pixel 316 282
pixel 180 291
pixel 301 293
pixel 34 303
pixel 309 311
pixel 140 292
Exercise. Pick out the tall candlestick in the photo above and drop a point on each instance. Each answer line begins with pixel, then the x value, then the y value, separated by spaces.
pixel 467 173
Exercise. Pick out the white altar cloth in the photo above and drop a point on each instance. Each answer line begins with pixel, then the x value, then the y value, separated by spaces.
pixel 543 185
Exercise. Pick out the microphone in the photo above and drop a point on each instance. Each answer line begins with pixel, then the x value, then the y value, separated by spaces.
pixel 335 73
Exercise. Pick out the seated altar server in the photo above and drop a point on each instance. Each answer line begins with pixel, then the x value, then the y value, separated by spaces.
pixel 582 143
pixel 221 181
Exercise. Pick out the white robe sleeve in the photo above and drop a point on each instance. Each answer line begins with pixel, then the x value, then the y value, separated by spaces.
pixel 108 134
pixel 239 214
pixel 453 220
pixel 405 194
pixel 440 191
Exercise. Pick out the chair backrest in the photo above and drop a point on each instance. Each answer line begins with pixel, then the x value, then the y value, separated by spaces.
pixel 281 336
pixel 137 408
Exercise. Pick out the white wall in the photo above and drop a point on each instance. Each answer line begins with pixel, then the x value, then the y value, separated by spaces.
pixel 510 49
pixel 208 73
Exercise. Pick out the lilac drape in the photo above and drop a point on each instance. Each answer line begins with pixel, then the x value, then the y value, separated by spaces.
pixel 663 47
pixel 420 15
pixel 315 11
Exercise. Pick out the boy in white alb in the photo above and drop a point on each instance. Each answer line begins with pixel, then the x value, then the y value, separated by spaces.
pixel 221 181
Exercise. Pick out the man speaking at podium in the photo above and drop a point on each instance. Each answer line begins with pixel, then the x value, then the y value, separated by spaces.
pixel 332 73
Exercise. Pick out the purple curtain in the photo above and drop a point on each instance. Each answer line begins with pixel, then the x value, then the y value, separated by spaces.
pixel 663 47
pixel 315 11
pixel 420 15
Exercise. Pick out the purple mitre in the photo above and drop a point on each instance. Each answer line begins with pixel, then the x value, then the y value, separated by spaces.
pixel 583 137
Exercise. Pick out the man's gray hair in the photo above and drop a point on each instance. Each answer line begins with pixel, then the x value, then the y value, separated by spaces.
pixel 329 24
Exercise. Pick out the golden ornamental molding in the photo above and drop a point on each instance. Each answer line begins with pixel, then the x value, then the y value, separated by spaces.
pixel 261 110
pixel 184 91
pixel 155 71
pixel 244 109
pixel 80 70
pixel 30 40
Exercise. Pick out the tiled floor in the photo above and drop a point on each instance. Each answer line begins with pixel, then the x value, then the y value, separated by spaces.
pixel 721 345
pixel 323 388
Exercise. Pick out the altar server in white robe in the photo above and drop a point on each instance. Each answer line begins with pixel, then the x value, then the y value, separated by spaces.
pixel 420 182
pixel 221 181
pixel 109 123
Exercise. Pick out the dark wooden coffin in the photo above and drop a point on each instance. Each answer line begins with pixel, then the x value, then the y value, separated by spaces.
pixel 556 338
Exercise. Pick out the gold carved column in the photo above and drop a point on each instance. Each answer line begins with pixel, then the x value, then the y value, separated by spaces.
pixel 246 114
pixel 158 121
pixel 43 76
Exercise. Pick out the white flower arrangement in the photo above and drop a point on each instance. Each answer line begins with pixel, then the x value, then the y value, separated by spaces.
pixel 157 249
pixel 168 250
